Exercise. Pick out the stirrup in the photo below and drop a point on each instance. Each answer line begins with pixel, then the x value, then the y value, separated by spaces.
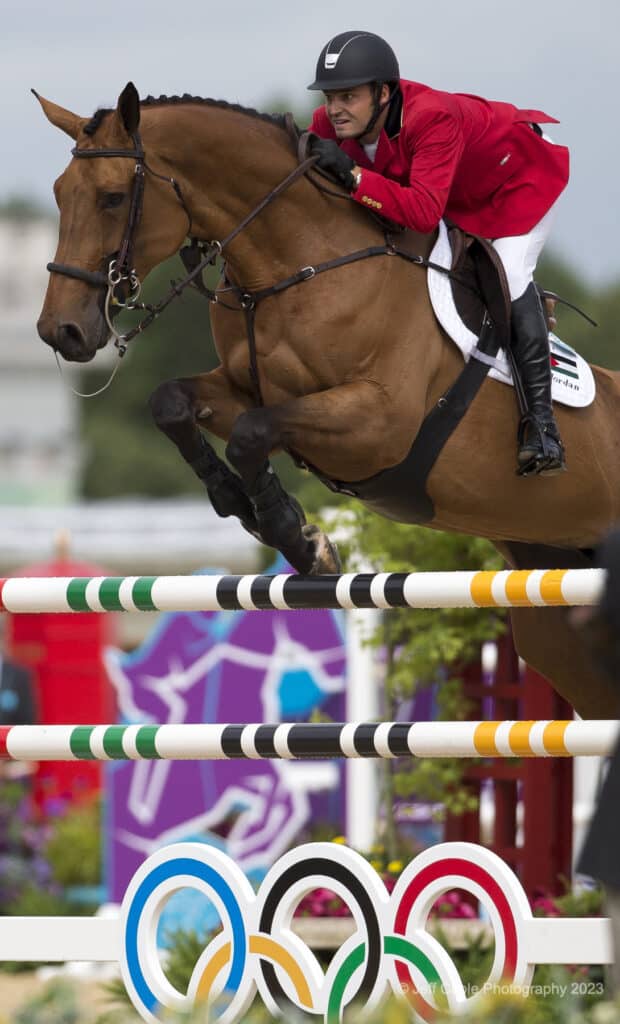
pixel 543 454
pixel 542 465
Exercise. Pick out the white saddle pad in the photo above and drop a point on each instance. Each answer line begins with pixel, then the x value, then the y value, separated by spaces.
pixel 572 378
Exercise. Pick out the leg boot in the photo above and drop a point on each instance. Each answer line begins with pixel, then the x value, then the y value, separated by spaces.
pixel 540 447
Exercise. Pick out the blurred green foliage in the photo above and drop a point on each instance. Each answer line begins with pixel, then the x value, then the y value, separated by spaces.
pixel 56 1004
pixel 73 849
pixel 601 344
pixel 22 208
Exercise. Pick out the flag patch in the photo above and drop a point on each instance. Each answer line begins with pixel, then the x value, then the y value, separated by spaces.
pixel 563 360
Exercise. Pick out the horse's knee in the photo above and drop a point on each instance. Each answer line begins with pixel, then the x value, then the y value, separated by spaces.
pixel 171 406
pixel 250 440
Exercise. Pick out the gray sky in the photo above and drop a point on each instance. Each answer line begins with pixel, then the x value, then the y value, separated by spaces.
pixel 557 55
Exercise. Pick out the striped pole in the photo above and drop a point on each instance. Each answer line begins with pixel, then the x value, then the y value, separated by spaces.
pixel 306 740
pixel 505 588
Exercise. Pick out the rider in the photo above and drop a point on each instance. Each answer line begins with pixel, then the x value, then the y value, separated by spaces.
pixel 416 155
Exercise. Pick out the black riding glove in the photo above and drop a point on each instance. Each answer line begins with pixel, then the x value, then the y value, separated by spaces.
pixel 333 160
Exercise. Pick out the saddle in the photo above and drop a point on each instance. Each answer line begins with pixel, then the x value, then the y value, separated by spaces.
pixel 477 277
pixel 465 279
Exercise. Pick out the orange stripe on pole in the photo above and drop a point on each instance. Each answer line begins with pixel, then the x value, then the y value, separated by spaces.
pixel 484 738
pixel 553 738
pixel 480 589
pixel 519 739
pixel 516 587
pixel 551 587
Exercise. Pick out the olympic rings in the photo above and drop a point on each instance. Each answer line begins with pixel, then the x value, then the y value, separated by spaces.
pixel 390 949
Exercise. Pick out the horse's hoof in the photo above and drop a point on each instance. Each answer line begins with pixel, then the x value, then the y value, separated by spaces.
pixel 326 558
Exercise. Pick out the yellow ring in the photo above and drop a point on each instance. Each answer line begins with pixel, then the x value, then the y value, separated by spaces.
pixel 211 971
pixel 265 946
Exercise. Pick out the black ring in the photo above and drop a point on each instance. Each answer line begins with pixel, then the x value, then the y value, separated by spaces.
pixel 327 868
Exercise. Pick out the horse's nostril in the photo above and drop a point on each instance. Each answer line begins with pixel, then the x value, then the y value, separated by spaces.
pixel 70 334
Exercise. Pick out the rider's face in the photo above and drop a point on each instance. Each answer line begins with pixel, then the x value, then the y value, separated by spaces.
pixel 349 110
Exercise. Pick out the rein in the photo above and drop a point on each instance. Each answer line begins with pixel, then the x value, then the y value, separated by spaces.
pixel 248 301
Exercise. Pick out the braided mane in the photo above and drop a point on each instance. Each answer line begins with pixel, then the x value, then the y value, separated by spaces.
pixel 164 101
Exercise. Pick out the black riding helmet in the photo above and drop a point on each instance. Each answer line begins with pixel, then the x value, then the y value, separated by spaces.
pixel 355 58
pixel 358 58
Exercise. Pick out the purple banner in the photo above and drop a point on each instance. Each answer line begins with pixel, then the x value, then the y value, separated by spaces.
pixel 231 667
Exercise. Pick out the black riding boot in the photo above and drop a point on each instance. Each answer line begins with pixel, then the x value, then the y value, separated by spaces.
pixel 540 447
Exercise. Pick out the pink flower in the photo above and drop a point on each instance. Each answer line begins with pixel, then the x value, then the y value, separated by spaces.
pixel 452 905
pixel 322 903
pixel 545 906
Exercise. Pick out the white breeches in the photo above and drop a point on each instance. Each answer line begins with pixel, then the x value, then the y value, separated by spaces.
pixel 519 253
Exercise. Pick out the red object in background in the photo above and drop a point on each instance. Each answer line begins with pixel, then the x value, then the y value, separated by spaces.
pixel 64 654
pixel 543 857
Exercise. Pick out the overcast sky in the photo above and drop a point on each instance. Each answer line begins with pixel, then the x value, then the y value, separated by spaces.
pixel 557 55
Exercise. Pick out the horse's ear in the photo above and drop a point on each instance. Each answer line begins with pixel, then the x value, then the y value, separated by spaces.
pixel 128 108
pixel 59 117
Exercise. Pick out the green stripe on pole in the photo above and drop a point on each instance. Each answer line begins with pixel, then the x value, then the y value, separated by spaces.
pixel 141 594
pixel 145 741
pixel 113 742
pixel 108 594
pixel 80 742
pixel 76 594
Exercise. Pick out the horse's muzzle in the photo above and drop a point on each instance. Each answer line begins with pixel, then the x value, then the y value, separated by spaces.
pixel 69 340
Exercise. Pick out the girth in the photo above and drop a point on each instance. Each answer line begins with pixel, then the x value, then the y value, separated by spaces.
pixel 399 492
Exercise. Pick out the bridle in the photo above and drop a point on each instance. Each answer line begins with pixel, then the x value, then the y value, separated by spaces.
pixel 121 274
pixel 120 280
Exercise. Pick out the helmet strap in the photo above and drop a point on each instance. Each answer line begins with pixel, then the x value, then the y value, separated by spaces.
pixel 378 107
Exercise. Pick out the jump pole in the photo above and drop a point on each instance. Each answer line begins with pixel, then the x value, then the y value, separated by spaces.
pixel 502 589
pixel 307 740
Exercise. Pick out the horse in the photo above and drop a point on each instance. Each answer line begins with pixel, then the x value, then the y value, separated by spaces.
pixel 339 368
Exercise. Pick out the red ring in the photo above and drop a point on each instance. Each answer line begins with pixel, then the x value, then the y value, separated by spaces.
pixel 458 866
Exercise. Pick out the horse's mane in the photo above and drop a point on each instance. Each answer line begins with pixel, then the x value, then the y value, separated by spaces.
pixel 161 101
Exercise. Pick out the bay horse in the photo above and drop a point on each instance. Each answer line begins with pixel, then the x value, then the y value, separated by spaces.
pixel 344 367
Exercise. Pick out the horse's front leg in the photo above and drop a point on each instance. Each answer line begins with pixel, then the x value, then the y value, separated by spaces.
pixel 179 407
pixel 315 426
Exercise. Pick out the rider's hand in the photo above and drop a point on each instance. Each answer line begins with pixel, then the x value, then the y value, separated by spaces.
pixel 334 160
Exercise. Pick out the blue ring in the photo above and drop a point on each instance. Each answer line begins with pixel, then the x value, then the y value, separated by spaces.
pixel 196 869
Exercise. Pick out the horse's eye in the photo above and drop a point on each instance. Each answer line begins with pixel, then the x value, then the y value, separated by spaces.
pixel 113 199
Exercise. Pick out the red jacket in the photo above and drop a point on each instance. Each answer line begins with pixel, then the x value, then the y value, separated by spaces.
pixel 474 161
